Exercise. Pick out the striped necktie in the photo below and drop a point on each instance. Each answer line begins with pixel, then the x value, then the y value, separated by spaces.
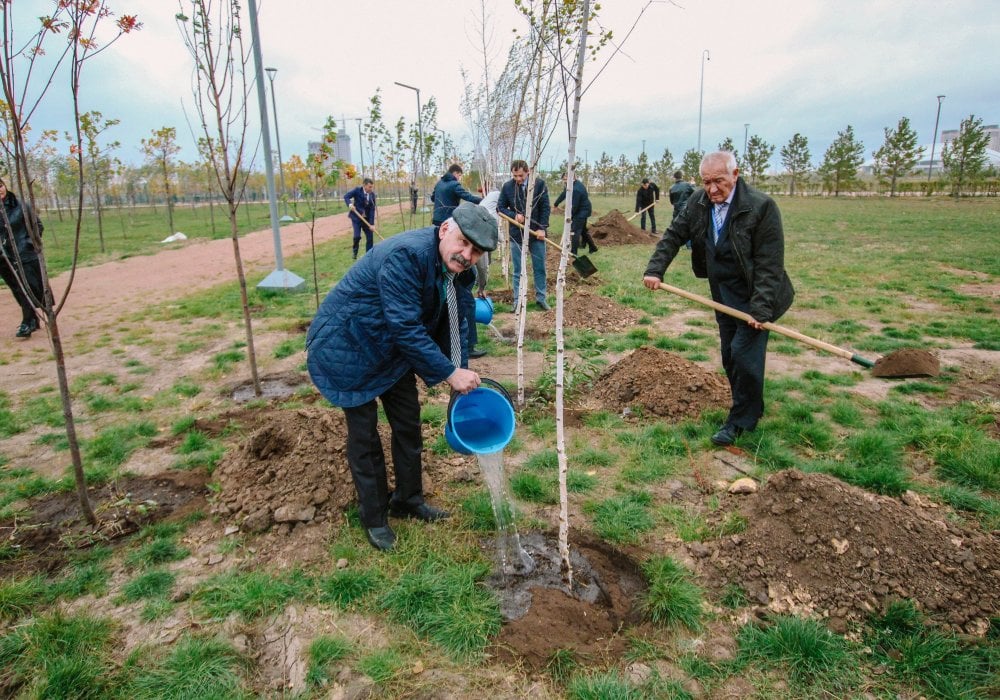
pixel 454 326
pixel 719 214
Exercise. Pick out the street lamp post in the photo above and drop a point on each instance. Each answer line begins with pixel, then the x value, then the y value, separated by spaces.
pixel 937 119
pixel 277 137
pixel 279 278
pixel 701 93
pixel 361 147
pixel 420 128
pixel 444 151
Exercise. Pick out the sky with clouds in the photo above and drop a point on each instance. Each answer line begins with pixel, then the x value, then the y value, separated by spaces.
pixel 782 67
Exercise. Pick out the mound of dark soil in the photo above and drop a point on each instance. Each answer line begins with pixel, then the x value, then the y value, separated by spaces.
pixel 607 584
pixel 908 362
pixel 615 229
pixel 584 309
pixel 661 383
pixel 289 470
pixel 817 546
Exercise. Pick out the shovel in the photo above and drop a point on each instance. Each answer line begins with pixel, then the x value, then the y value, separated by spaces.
pixel 787 332
pixel 898 364
pixel 374 230
pixel 629 218
pixel 581 263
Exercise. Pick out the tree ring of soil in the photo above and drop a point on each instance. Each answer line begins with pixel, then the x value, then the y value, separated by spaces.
pixel 541 617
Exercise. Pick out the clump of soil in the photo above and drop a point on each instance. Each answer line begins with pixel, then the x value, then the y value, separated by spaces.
pixel 584 309
pixel 607 584
pixel 661 383
pixel 615 229
pixel 817 546
pixel 908 362
pixel 291 469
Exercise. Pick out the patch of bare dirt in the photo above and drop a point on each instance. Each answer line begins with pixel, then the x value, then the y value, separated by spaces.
pixel 55 527
pixel 614 228
pixel 590 625
pixel 585 309
pixel 815 545
pixel 660 383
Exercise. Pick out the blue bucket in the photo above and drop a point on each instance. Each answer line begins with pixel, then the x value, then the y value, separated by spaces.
pixel 484 310
pixel 482 421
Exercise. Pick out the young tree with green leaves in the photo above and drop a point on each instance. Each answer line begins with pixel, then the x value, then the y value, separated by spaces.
pixel 898 155
pixel 663 169
pixel 691 164
pixel 727 145
pixel 160 149
pixel 642 167
pixel 841 161
pixel 25 84
pixel 758 158
pixel 213 36
pixel 93 124
pixel 964 158
pixel 795 158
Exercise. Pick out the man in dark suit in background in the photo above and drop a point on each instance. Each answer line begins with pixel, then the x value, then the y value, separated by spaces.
pixel 361 201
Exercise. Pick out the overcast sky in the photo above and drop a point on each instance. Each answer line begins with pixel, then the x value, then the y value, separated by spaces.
pixel 783 67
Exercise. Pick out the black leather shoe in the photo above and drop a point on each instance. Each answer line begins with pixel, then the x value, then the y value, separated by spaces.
pixel 381 538
pixel 427 513
pixel 473 354
pixel 26 329
pixel 594 249
pixel 727 435
pixel 543 305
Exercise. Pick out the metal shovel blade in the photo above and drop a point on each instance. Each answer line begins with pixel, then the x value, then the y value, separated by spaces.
pixel 584 266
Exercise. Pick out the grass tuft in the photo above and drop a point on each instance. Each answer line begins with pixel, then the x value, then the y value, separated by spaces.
pixel 195 667
pixel 342 588
pixel 672 598
pixel 323 651
pixel 812 654
pixel 622 519
pixel 252 594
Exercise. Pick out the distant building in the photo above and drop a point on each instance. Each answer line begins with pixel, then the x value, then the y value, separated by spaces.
pixel 341 147
pixel 993 131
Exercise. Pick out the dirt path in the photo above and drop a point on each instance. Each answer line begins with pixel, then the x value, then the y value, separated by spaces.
pixel 102 293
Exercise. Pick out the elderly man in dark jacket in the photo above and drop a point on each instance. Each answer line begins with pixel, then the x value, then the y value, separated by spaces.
pixel 739 245
pixel 394 316
pixel 512 203
pixel 582 209
pixel 449 193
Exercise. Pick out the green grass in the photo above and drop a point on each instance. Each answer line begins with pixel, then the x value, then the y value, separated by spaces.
pixel 252 594
pixel 622 519
pixel 194 667
pixel 114 445
pixel 443 601
pixel 937 661
pixel 19 596
pixel 603 686
pixel 159 550
pixel 156 583
pixel 533 488
pixel 382 665
pixel 813 656
pixel 323 651
pixel 59 656
pixel 478 510
pixel 343 588
pixel 672 599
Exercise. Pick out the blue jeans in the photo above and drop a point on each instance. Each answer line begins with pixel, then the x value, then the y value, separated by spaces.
pixel 537 250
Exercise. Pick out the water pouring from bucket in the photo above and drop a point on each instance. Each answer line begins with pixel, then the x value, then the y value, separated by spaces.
pixel 482 423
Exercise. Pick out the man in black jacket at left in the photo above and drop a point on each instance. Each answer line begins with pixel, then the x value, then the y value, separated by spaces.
pixel 739 245
pixel 449 193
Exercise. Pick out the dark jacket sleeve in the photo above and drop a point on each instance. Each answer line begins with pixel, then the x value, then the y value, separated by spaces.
pixel 677 234
pixel 656 191
pixel 504 204
pixel 463 193
pixel 560 198
pixel 541 208
pixel 768 251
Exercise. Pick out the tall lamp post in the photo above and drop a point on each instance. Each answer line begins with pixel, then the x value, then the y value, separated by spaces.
pixel 930 164
pixel 701 93
pixel 279 278
pixel 361 146
pixel 420 130
pixel 746 133
pixel 444 152
pixel 277 137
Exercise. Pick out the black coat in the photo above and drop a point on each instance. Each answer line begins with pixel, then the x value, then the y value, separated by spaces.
pixel 15 224
pixel 645 196
pixel 512 202
pixel 754 227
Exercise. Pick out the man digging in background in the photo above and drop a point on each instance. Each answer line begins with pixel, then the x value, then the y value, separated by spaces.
pixel 738 244
pixel 394 316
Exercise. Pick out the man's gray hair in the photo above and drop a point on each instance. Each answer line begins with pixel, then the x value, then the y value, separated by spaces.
pixel 721 155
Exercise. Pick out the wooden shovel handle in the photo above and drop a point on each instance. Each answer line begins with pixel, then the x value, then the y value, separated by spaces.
pixel 543 237
pixel 787 332
pixel 375 230
pixel 641 210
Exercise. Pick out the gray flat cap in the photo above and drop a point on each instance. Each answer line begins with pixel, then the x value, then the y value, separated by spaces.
pixel 477 225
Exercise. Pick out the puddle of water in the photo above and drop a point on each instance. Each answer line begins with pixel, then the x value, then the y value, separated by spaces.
pixel 270 389
pixel 512 558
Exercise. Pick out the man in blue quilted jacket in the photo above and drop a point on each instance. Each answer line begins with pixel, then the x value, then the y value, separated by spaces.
pixel 388 321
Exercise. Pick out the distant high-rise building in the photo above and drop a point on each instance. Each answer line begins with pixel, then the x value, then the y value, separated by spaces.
pixel 341 147
pixel 993 131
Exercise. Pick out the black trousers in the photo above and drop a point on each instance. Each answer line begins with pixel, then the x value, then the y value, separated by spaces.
pixel 367 460
pixel 580 234
pixel 33 276
pixel 744 350
pixel 360 228
pixel 652 219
